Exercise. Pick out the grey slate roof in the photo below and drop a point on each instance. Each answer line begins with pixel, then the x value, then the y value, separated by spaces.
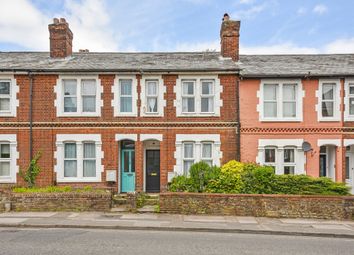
pixel 180 61
pixel 297 65
pixel 249 65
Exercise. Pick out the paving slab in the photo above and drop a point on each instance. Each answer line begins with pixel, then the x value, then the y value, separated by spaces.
pixel 4 220
pixel 28 214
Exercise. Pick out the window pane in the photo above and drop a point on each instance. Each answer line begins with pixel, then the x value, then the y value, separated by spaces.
pixel 289 155
pixel 328 91
pixel 126 104
pixel 70 150
pixel 126 161
pixel 70 87
pixel 70 168
pixel 351 89
pixel 347 168
pixel 89 168
pixel 327 109
pixel 4 168
pixel 269 155
pixel 4 104
pixel 209 162
pixel 270 91
pixel 351 106
pixel 188 105
pixel 289 92
pixel 187 165
pixel 70 104
pixel 206 150
pixel 152 104
pixel 188 88
pixel 188 150
pixel 5 151
pixel 88 87
pixel 151 88
pixel 289 169
pixel 126 87
pixel 207 88
pixel 289 109
pixel 133 161
pixel 89 103
pixel 270 109
pixel 207 104
pixel 89 150
pixel 4 87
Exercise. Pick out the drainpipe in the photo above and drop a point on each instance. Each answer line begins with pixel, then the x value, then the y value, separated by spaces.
pixel 238 125
pixel 30 75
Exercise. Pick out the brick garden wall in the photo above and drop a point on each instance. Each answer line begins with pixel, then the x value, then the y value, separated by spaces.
pixel 282 206
pixel 71 201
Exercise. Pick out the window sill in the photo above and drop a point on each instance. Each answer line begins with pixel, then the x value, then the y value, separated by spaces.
pixel 71 180
pixel 280 120
pixel 78 115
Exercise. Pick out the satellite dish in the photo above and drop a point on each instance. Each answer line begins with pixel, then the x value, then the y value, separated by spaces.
pixel 306 146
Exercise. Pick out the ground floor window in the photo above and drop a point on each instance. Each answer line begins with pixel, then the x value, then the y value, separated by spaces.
pixel 8 158
pixel 79 158
pixel 285 155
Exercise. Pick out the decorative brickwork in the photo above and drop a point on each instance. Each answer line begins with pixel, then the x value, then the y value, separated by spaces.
pixel 282 206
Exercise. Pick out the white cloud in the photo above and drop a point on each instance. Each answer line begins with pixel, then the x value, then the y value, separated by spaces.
pixel 246 1
pixel 301 11
pixel 320 9
pixel 345 45
pixel 29 27
pixel 284 48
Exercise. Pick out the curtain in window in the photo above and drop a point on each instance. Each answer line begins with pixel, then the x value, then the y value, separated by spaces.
pixel 70 162
pixel 289 155
pixel 126 87
pixel 4 168
pixel 152 104
pixel 126 96
pixel 70 150
pixel 188 150
pixel 4 104
pixel 188 88
pixel 187 165
pixel 207 150
pixel 289 98
pixel 89 160
pixel 207 104
pixel 151 88
pixel 126 104
pixel 88 95
pixel 270 100
pixel 188 104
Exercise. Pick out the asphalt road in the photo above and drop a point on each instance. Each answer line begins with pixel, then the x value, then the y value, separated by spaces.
pixel 106 242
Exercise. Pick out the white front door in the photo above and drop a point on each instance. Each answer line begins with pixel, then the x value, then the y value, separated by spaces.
pixel 349 167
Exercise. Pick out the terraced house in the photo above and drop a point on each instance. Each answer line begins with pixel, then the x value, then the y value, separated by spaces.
pixel 132 121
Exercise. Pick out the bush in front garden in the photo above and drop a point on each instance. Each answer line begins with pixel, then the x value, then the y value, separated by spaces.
pixel 249 178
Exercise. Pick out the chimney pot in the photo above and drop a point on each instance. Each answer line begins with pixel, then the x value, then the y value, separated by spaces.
pixel 60 38
pixel 229 35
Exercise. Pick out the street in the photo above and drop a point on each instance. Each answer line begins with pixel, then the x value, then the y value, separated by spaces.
pixel 94 241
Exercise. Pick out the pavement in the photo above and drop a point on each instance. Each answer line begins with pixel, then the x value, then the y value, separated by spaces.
pixel 169 222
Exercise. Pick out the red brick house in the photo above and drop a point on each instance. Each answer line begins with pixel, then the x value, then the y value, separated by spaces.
pixel 127 120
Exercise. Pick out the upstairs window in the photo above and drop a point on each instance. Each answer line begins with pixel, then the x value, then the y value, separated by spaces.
pixel 328 107
pixel 152 93
pixel 5 96
pixel 188 96
pixel 281 101
pixel 126 95
pixel 207 96
pixel 79 97
pixel 351 99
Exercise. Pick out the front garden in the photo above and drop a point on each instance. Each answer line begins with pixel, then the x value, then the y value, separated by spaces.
pixel 249 178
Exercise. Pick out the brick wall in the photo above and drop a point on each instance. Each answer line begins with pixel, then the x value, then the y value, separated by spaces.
pixel 72 201
pixel 282 206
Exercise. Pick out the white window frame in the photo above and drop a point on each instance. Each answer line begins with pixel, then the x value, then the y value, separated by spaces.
pixel 275 156
pixel 290 164
pixel 188 96
pixel 212 150
pixel 10 139
pixel 337 99
pixel 198 78
pixel 348 83
pixel 161 101
pixel 79 139
pixel 59 101
pixel 279 118
pixel 207 96
pixel 14 90
pixel 197 139
pixel 116 96
pixel 186 172
pixel 280 145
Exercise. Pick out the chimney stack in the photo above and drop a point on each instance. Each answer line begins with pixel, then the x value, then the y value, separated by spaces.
pixel 61 38
pixel 230 38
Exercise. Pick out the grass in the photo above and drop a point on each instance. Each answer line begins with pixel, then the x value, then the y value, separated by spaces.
pixel 55 189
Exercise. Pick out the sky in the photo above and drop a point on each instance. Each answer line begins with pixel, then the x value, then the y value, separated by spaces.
pixel 267 26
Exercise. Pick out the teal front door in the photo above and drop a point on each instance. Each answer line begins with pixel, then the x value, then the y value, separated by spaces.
pixel 128 166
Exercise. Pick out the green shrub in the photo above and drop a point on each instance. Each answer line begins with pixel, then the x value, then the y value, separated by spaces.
pixel 258 179
pixel 201 173
pixel 182 183
pixel 32 171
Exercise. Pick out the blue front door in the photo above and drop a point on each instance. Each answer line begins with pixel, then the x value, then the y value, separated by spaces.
pixel 128 166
